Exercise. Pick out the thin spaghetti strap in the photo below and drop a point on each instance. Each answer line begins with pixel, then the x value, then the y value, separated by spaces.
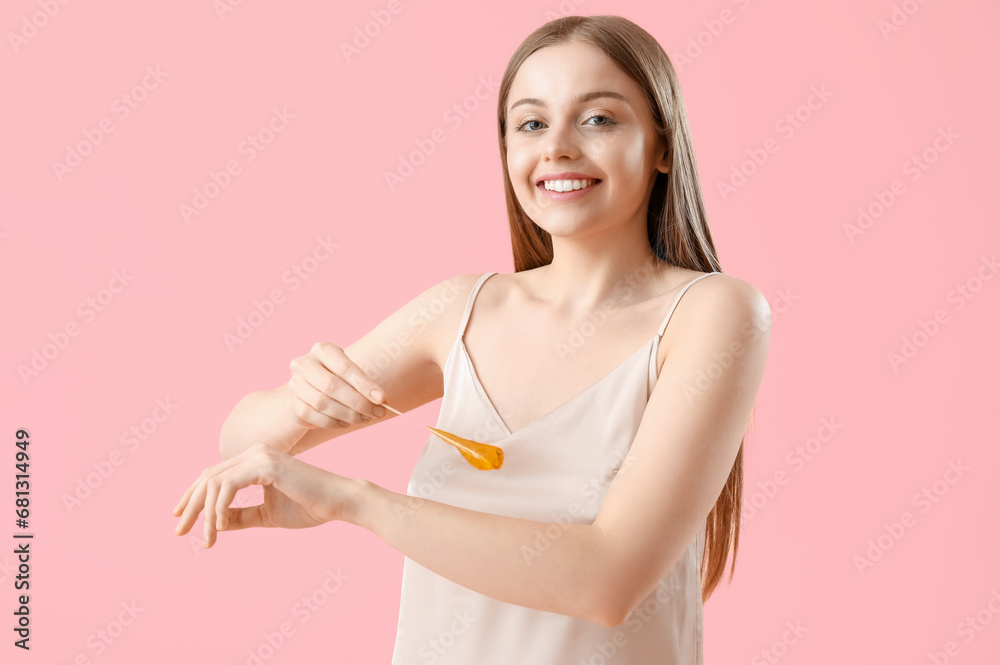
pixel 687 286
pixel 472 298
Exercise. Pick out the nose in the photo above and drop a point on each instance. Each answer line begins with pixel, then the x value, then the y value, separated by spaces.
pixel 561 141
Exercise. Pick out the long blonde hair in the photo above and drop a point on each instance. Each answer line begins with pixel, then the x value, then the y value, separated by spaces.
pixel 676 222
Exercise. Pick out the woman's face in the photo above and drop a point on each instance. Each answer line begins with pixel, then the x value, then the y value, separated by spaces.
pixel 572 111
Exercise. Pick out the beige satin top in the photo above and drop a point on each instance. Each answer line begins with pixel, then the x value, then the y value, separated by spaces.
pixel 556 468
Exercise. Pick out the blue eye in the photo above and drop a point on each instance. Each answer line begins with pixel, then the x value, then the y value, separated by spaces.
pixel 520 127
pixel 608 122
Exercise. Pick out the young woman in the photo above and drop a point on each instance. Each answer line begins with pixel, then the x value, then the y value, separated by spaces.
pixel 618 503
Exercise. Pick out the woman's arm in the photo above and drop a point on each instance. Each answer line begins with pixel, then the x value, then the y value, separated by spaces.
pixel 676 468
pixel 263 416
pixel 494 555
pixel 401 354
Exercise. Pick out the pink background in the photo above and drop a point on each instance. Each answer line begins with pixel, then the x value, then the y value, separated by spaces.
pixel 841 305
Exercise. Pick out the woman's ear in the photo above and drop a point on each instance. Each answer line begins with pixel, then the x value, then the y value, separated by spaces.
pixel 663 162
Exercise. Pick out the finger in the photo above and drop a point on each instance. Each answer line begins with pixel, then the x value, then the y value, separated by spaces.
pixel 190 490
pixel 314 407
pixel 211 497
pixel 223 489
pixel 194 497
pixel 366 391
pixel 191 510
pixel 184 498
pixel 227 493
pixel 244 518
pixel 339 399
pixel 317 380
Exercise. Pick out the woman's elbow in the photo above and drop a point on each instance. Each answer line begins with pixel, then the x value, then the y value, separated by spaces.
pixel 612 612
pixel 605 604
pixel 608 620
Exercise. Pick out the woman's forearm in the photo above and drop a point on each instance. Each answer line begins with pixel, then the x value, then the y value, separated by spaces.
pixel 263 416
pixel 541 565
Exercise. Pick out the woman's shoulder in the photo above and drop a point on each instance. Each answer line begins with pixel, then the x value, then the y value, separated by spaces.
pixel 730 290
pixel 718 301
pixel 718 295
pixel 459 291
pixel 465 282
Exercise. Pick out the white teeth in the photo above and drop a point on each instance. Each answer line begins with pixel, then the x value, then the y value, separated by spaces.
pixel 568 185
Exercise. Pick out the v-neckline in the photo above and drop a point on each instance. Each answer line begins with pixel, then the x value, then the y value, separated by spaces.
pixel 460 342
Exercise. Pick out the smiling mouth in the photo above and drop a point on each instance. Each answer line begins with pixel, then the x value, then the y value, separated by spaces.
pixel 567 185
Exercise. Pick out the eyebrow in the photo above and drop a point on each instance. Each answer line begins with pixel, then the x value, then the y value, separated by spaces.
pixel 579 99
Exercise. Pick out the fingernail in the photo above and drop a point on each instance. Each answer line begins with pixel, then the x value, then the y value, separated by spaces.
pixel 365 417
pixel 379 411
pixel 377 395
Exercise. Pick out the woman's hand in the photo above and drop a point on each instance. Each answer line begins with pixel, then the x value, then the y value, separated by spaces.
pixel 328 389
pixel 296 494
